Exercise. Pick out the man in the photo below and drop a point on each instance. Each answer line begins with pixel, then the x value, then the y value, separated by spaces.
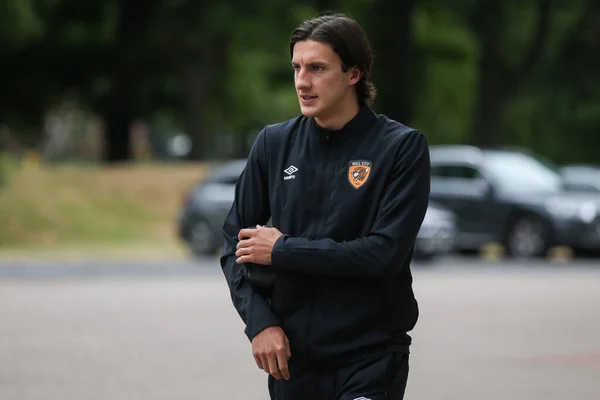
pixel 346 190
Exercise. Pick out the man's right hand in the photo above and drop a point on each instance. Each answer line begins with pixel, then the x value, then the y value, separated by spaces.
pixel 271 350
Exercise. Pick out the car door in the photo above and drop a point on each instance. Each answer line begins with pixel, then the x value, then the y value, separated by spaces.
pixel 461 188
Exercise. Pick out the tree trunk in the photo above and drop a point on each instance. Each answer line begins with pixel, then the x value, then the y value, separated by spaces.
pixel 492 96
pixel 117 140
pixel 497 81
pixel 392 63
pixel 202 74
pixel 195 85
pixel 124 102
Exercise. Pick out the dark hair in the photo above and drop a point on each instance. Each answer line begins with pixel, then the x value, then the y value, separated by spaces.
pixel 348 40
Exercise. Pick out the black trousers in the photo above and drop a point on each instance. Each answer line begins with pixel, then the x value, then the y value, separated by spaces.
pixel 373 379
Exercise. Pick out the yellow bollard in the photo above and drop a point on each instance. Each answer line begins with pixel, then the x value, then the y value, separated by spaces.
pixel 492 251
pixel 559 254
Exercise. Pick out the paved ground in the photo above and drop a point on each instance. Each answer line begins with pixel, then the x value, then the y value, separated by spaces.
pixel 167 330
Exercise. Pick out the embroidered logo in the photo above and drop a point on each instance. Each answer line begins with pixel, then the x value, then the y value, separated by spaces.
pixel 361 398
pixel 290 172
pixel 358 173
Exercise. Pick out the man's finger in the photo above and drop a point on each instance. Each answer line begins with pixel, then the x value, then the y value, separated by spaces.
pixel 282 363
pixel 244 243
pixel 264 361
pixel 244 251
pixel 246 233
pixel 288 350
pixel 244 259
pixel 273 368
pixel 258 362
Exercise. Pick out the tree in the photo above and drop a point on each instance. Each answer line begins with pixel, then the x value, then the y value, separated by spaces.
pixel 558 112
pixel 390 25
pixel 127 97
pixel 499 79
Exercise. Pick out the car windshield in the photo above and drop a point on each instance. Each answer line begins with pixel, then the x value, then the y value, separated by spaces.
pixel 521 172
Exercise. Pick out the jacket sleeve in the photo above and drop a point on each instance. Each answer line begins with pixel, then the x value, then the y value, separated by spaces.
pixel 391 240
pixel 250 207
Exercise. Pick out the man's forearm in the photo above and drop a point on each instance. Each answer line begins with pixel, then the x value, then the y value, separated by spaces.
pixel 369 257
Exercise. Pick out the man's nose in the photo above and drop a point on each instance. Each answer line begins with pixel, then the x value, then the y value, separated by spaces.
pixel 302 79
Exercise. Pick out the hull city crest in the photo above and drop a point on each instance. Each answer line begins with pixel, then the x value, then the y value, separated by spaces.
pixel 359 172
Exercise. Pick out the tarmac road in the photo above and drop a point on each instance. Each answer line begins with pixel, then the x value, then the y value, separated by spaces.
pixel 134 330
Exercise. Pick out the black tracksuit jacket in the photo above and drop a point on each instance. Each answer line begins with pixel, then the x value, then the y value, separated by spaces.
pixel 350 204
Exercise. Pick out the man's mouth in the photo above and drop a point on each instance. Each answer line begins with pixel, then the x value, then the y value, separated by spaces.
pixel 307 98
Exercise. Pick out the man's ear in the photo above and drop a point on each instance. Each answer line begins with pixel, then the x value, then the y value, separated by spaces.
pixel 355 75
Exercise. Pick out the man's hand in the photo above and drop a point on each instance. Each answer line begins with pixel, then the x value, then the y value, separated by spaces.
pixel 271 350
pixel 255 245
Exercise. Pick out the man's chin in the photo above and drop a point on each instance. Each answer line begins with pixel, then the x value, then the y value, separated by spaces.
pixel 309 111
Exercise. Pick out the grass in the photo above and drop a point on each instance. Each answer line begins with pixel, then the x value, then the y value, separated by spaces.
pixel 82 208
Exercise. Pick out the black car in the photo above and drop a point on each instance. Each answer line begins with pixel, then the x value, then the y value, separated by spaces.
pixel 207 204
pixel 512 198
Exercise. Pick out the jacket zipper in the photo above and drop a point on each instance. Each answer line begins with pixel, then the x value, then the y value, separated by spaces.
pixel 326 188
pixel 318 216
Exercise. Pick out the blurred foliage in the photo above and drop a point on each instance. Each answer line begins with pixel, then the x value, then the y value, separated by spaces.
pixel 464 71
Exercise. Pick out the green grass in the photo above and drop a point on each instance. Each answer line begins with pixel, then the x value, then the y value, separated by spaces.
pixel 45 208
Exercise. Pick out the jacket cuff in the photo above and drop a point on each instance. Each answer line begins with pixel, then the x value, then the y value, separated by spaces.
pixel 257 324
pixel 278 252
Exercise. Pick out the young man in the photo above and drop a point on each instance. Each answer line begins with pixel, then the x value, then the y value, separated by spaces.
pixel 346 190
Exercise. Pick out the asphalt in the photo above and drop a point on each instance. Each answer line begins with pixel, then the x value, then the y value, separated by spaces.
pixel 166 329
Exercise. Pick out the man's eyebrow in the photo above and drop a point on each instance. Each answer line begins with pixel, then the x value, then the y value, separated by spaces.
pixel 312 63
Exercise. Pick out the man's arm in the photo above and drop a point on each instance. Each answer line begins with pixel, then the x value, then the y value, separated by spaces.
pixel 250 207
pixel 391 240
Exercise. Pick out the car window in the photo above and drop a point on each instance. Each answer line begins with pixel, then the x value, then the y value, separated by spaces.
pixel 454 171
pixel 581 178
pixel 581 187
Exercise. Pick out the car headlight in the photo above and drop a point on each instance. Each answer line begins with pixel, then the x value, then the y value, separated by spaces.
pixel 588 212
pixel 585 211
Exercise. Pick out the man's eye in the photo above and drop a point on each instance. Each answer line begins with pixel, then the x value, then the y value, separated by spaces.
pixel 317 68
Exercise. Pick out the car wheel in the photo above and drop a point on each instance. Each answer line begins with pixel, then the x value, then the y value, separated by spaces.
pixel 201 238
pixel 527 238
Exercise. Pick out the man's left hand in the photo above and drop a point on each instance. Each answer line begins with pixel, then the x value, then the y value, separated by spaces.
pixel 255 245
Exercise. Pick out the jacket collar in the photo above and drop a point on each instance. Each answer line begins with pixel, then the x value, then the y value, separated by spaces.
pixel 360 124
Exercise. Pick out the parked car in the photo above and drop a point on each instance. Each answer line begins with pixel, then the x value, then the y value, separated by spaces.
pixel 205 207
pixel 512 198
pixel 581 178
pixel 437 233
pixel 207 204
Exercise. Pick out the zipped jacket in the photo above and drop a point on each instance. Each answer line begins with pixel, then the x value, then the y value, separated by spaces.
pixel 350 204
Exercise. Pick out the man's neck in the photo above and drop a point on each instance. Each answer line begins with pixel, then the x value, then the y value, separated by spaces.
pixel 338 120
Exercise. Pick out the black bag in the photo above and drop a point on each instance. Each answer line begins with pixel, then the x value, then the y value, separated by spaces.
pixel 262 277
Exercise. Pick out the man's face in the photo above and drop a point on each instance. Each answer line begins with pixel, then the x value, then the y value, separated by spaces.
pixel 323 88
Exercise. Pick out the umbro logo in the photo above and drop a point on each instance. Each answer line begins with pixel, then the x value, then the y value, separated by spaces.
pixel 361 398
pixel 290 171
